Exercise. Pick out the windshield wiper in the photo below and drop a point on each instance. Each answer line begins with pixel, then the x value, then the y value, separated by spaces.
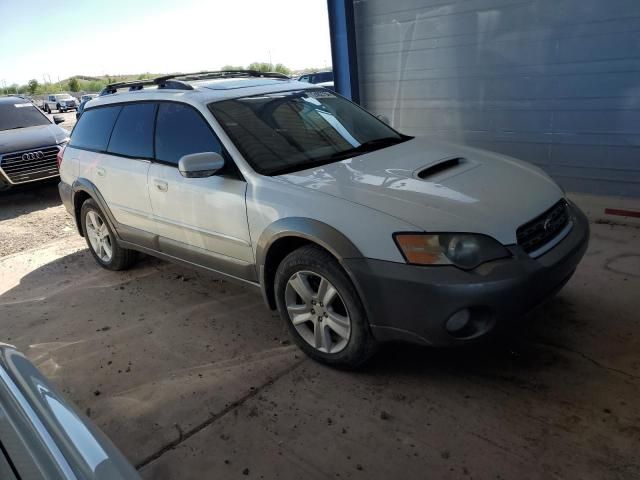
pixel 368 146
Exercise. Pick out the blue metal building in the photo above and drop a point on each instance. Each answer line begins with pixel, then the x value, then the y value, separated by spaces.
pixel 556 83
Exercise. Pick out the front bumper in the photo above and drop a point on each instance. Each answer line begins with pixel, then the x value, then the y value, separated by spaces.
pixel 414 303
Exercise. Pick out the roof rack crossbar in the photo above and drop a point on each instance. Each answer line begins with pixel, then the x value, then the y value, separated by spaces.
pixel 172 82
pixel 160 82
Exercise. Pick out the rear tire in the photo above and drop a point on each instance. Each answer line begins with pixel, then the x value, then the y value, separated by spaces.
pixel 314 292
pixel 101 240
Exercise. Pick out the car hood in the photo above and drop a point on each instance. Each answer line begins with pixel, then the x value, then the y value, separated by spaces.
pixel 482 192
pixel 31 137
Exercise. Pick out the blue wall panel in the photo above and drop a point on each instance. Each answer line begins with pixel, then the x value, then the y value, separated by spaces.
pixel 556 83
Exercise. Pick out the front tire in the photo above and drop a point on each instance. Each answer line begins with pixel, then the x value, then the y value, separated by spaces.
pixel 322 309
pixel 102 241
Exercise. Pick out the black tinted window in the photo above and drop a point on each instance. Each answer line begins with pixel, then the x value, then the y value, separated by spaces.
pixel 133 133
pixel 325 77
pixel 180 130
pixel 94 128
pixel 20 114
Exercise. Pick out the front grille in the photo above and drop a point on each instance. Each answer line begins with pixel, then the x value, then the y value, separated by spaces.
pixel 544 228
pixel 36 164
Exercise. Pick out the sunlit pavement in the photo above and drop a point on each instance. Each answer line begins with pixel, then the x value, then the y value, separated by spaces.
pixel 192 377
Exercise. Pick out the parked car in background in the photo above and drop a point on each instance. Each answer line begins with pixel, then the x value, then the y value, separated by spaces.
pixel 80 109
pixel 43 436
pixel 355 233
pixel 61 102
pixel 316 77
pixel 29 142
pixel 88 96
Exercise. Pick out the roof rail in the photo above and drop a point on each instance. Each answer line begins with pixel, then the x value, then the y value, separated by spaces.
pixel 227 74
pixel 160 82
pixel 172 82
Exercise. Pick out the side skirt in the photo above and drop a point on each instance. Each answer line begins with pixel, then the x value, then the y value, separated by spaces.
pixel 186 263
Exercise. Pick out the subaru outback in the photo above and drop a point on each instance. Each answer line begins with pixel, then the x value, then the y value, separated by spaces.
pixel 355 233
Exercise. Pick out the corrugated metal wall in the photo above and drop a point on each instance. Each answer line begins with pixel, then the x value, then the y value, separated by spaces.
pixel 554 82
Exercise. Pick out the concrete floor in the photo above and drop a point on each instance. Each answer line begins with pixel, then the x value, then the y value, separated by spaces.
pixel 192 377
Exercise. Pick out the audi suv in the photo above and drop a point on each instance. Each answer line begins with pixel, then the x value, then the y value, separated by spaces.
pixel 29 143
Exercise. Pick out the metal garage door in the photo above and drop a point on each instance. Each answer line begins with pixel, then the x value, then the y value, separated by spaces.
pixel 556 83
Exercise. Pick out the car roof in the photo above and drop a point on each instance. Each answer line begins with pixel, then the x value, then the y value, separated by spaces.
pixel 207 91
pixel 13 99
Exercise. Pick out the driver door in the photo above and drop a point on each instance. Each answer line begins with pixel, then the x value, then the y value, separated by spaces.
pixel 201 220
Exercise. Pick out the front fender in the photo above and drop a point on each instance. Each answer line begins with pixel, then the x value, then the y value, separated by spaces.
pixel 309 229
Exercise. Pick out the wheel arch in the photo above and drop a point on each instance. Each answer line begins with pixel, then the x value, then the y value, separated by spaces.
pixel 288 234
pixel 84 189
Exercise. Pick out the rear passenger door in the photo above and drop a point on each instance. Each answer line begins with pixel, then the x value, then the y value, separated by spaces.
pixel 118 141
pixel 202 220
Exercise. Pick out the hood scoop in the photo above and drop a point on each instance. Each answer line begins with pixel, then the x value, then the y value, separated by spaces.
pixel 440 167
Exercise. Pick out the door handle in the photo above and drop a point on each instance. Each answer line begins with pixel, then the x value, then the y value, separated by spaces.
pixel 161 186
pixel 101 171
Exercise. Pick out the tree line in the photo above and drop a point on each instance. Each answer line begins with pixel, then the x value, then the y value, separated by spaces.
pixel 79 84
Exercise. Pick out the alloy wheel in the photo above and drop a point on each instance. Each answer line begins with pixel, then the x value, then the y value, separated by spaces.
pixel 317 312
pixel 99 236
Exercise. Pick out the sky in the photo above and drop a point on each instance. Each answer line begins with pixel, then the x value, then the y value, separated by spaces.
pixel 57 39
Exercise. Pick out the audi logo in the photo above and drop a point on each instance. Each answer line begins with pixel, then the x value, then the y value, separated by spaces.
pixel 33 155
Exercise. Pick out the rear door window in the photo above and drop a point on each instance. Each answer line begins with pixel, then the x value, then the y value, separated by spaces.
pixel 94 128
pixel 133 132
pixel 181 130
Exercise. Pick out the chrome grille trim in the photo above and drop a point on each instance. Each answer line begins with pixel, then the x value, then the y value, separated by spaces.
pixel 536 235
pixel 17 170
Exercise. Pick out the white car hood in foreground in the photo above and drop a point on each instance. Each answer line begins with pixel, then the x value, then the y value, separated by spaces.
pixel 486 193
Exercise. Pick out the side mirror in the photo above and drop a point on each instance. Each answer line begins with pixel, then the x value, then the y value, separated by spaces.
pixel 199 165
pixel 383 118
pixel 58 119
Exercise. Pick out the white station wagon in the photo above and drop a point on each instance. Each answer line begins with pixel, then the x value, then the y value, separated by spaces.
pixel 355 233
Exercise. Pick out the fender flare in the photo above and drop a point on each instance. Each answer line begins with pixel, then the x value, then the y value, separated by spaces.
pixel 86 186
pixel 329 238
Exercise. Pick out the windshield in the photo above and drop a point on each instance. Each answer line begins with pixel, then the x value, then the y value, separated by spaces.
pixel 288 131
pixel 63 97
pixel 20 115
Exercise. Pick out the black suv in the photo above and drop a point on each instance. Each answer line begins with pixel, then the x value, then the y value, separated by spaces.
pixel 316 77
pixel 29 142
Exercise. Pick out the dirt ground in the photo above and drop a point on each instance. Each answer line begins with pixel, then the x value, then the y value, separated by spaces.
pixel 193 378
pixel 32 216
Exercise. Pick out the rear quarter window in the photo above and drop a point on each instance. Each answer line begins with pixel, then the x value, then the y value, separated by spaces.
pixel 94 128
pixel 133 132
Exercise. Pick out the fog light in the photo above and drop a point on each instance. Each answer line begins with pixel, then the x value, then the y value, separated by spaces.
pixel 458 321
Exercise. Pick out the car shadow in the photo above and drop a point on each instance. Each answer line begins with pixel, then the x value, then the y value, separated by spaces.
pixel 511 356
pixel 23 199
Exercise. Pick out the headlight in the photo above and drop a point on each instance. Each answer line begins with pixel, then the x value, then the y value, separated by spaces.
pixel 464 250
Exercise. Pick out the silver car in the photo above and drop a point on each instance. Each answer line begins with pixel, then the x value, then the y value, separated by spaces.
pixel 355 233
pixel 42 436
